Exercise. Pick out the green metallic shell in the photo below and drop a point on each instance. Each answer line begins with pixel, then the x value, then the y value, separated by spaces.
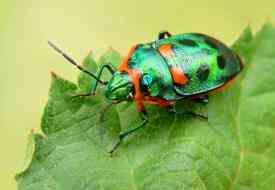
pixel 207 62
pixel 155 71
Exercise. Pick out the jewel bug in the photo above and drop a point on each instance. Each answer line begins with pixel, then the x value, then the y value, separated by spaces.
pixel 170 69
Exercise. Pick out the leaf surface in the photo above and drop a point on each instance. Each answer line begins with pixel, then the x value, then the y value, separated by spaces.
pixel 234 149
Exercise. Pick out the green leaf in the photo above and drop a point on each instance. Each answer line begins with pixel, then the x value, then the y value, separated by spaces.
pixel 29 153
pixel 234 149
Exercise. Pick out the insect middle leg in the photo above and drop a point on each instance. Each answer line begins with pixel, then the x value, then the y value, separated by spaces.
pixel 109 68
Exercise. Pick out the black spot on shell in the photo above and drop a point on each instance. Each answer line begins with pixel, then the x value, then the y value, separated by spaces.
pixel 188 42
pixel 221 61
pixel 203 72
pixel 212 43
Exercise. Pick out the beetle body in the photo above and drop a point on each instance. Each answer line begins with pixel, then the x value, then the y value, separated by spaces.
pixel 172 68
pixel 179 67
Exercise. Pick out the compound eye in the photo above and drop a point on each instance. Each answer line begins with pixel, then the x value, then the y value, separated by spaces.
pixel 147 79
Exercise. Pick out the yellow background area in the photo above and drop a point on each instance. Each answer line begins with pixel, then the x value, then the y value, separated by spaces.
pixel 80 26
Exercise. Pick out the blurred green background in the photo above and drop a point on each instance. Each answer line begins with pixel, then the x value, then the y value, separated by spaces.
pixel 79 26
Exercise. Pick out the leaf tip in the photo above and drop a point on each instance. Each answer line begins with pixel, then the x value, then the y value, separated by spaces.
pixel 244 39
pixel 89 59
pixel 110 55
pixel 268 19
pixel 268 24
pixel 110 48
pixel 114 50
pixel 53 74
pixel 28 155
pixel 90 52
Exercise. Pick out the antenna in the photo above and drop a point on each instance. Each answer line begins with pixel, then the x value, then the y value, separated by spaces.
pixel 68 58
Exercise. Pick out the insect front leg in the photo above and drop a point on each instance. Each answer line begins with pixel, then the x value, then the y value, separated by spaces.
pixel 144 118
pixel 109 68
pixel 93 90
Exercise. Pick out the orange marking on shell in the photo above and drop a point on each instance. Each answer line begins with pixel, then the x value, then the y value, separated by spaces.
pixel 124 65
pixel 178 75
pixel 166 50
pixel 135 75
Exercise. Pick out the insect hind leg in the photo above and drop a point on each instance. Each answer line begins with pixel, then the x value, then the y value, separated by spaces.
pixel 203 99
pixel 173 110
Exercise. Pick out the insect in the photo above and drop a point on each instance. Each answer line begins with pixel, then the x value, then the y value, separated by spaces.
pixel 169 69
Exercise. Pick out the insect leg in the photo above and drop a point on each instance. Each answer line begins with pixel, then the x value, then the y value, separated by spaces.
pixel 144 118
pixel 202 99
pixel 109 68
pixel 92 92
pixel 195 114
pixel 187 112
pixel 164 34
